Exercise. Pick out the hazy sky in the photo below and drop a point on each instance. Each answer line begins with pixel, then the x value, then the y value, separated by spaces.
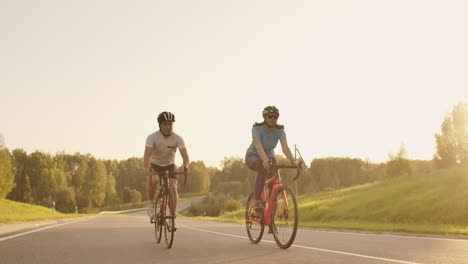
pixel 351 78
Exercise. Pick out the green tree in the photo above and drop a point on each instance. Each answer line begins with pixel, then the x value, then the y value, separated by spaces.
pixel 78 179
pixel 452 141
pixel 40 169
pixel 22 191
pixel 446 145
pixel 131 195
pixel 111 194
pixel 136 174
pixel 7 178
pixel 460 128
pixel 95 183
pixel 65 199
pixel 135 196
pixel 235 173
pixel 199 179
pixel 26 194
pixel 399 164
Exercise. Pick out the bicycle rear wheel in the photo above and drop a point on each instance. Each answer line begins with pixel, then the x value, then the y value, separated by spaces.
pixel 157 218
pixel 253 221
pixel 169 219
pixel 284 217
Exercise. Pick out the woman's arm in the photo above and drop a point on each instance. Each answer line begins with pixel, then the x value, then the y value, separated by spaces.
pixel 287 151
pixel 258 145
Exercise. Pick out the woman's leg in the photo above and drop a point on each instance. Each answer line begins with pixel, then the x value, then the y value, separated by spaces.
pixel 255 163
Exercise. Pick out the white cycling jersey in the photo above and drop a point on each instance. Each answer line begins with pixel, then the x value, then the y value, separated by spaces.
pixel 164 148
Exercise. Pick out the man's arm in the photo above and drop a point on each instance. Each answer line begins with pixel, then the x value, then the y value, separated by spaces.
pixel 146 159
pixel 185 157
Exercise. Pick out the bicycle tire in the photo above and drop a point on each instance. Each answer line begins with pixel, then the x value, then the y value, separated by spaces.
pixel 157 219
pixel 284 217
pixel 253 221
pixel 169 221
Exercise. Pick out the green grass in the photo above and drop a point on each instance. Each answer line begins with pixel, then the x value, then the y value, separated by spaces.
pixel 11 211
pixel 425 203
pixel 184 196
pixel 126 206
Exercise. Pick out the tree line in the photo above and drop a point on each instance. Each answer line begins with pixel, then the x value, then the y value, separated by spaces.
pixel 80 180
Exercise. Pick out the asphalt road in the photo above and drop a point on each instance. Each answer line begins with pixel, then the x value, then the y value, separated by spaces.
pixel 130 239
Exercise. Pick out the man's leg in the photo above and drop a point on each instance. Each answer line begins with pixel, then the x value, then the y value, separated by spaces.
pixel 151 188
pixel 173 184
pixel 175 194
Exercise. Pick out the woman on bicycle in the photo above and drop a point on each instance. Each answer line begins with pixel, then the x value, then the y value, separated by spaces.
pixel 261 152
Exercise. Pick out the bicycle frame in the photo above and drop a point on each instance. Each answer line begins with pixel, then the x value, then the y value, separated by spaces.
pixel 276 185
pixel 164 183
pixel 276 181
pixel 161 217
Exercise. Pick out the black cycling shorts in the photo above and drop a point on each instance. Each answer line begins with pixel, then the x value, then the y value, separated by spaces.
pixel 163 169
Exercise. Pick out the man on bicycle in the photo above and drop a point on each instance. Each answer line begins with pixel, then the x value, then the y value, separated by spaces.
pixel 265 137
pixel 160 150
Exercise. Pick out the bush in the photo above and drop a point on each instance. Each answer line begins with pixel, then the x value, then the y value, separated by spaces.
pixel 232 205
pixel 131 195
pixel 196 209
pixel 230 187
pixel 65 198
pixel 214 205
pixel 135 196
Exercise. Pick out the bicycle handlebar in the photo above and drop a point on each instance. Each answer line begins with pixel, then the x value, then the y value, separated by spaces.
pixel 168 173
pixel 283 166
pixel 172 173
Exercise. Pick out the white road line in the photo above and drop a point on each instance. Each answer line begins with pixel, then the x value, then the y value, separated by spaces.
pixel 311 248
pixel 39 229
pixel 388 235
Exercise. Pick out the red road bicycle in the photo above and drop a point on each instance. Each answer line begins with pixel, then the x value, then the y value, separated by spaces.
pixel 163 202
pixel 280 214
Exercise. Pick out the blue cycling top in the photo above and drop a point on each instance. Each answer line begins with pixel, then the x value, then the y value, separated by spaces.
pixel 269 138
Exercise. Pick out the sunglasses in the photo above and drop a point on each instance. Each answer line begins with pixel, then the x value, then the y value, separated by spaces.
pixel 272 117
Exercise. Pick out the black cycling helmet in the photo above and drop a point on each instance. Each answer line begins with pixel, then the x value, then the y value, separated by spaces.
pixel 270 110
pixel 166 116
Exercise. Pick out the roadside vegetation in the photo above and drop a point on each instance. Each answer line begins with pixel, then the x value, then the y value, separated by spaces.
pixel 19 212
pixel 435 202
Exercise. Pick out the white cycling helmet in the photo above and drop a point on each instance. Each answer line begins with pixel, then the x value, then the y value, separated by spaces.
pixel 166 116
pixel 270 110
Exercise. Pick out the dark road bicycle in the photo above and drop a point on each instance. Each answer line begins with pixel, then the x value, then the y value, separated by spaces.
pixel 279 213
pixel 164 211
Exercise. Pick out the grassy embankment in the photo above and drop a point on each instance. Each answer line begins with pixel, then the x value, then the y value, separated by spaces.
pixel 11 211
pixel 428 203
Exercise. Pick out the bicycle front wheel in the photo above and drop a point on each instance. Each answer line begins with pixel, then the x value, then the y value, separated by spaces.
pixel 284 217
pixel 253 221
pixel 169 219
pixel 158 223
